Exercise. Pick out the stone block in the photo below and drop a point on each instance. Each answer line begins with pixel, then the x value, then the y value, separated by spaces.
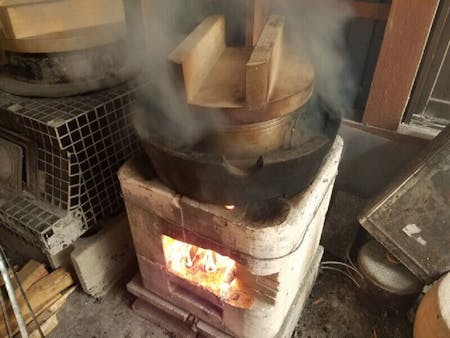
pixel 104 258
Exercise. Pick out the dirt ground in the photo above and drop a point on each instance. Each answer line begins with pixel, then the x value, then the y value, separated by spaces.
pixel 333 310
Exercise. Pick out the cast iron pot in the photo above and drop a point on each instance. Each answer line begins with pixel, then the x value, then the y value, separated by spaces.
pixel 213 178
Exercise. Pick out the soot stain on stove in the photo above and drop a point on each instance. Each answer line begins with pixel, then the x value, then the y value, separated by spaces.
pixel 268 211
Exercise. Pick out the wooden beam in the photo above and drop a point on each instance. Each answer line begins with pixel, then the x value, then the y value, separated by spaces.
pixel 264 63
pixel 433 59
pixel 258 12
pixel 407 32
pixel 369 10
pixel 257 15
pixel 199 52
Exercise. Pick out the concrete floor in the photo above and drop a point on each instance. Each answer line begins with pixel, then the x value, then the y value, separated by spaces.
pixel 333 310
pixel 111 317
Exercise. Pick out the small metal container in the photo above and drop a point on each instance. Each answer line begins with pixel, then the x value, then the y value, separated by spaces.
pixel 387 283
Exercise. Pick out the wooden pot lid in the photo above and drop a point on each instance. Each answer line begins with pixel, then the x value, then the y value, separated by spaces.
pixel 71 40
pixel 246 85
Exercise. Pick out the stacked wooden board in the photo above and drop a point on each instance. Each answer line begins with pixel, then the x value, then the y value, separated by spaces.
pixel 54 48
pixel 46 294
pixel 38 26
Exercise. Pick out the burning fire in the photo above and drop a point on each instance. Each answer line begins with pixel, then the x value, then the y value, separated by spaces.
pixel 207 269
pixel 203 267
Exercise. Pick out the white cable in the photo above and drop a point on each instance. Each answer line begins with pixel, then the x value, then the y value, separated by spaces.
pixel 354 269
pixel 343 272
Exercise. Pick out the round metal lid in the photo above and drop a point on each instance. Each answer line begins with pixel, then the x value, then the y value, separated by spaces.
pixel 385 272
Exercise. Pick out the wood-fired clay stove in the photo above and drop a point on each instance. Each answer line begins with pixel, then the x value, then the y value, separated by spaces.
pixel 227 230
pixel 273 247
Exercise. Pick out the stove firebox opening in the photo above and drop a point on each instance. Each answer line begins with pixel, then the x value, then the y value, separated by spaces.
pixel 206 269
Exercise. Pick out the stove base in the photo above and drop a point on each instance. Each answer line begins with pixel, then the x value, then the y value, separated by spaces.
pixel 183 324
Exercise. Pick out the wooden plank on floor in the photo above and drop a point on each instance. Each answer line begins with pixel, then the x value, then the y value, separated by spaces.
pixel 46 327
pixel 40 295
pixel 31 273
pixel 407 32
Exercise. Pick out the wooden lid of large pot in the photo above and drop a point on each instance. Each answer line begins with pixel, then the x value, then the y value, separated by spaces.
pixel 433 315
pixel 243 85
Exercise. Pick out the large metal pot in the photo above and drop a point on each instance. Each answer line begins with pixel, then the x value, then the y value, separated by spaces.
pixel 214 178
pixel 250 140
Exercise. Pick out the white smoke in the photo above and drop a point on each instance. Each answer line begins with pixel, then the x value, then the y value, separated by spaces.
pixel 315 28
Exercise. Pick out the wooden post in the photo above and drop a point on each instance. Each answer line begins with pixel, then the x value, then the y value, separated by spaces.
pixel 369 10
pixel 407 32
pixel 257 14
pixel 262 68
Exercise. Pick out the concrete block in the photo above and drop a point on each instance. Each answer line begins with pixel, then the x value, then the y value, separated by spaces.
pixel 61 259
pixel 104 258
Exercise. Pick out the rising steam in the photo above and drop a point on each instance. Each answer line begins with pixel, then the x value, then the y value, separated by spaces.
pixel 314 28
pixel 163 29
pixel 317 29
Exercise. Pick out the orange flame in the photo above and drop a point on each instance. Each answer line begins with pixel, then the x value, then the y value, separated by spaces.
pixel 201 267
pixel 207 269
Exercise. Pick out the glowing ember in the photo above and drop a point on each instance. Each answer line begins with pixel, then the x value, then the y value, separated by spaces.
pixel 230 207
pixel 207 269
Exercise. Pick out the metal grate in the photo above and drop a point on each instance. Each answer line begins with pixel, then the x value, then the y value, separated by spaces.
pixel 82 142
